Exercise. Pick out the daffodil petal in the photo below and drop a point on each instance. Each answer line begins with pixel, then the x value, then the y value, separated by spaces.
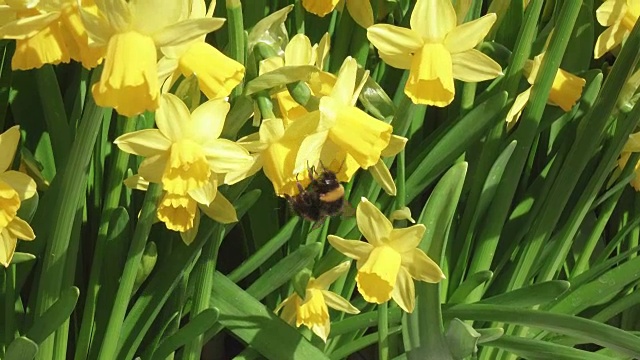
pixel 298 51
pixel 225 155
pixel 431 77
pixel 382 176
pixel 377 275
pixel 339 303
pixel 310 150
pixel 322 330
pixel 373 225
pixel 21 229
pixel 27 27
pixel 396 144
pixel 469 35
pixel 152 168
pixel 518 105
pixel 633 143
pixel 208 119
pixel 136 182
pixel 271 130
pixel 190 234
pixel 117 12
pixel 406 239
pixel 270 64
pixel 566 90
pixel 395 44
pixel 611 12
pixel 22 183
pixel 421 267
pixel 205 194
pixel 220 210
pixel 319 7
pixel 343 89
pixel 361 12
pixel 474 66
pixel 433 19
pixel 609 39
pixel 172 117
pixel 7 247
pixel 147 142
pixel 8 145
pixel 153 15
pixel 404 293
pixel 327 278
pixel 240 174
pixel 97 27
pixel 186 30
pixel 354 249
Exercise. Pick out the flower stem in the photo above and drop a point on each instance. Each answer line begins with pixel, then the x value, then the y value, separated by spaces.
pixel 383 331
pixel 9 303
pixel 146 219
pixel 203 279
pixel 236 37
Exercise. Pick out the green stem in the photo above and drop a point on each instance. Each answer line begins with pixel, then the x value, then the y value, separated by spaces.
pixel 72 187
pixel 203 274
pixel 54 113
pixel 265 105
pixel 299 17
pixel 401 195
pixel 111 200
pixel 236 37
pixel 383 331
pixel 9 303
pixel 146 219
pixel 340 49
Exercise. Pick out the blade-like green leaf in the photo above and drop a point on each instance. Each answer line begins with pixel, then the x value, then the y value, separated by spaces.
pixel 55 316
pixel 195 327
pixel 21 348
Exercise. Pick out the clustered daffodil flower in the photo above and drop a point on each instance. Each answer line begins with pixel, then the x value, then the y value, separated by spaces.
pixel 619 16
pixel 390 260
pixel 312 310
pixel 360 10
pixel 47 32
pixel 133 32
pixel 565 91
pixel 15 187
pixel 186 156
pixel 436 51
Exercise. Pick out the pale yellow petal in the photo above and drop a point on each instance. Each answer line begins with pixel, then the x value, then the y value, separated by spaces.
pixel 7 247
pixel 208 120
pixel 186 30
pixel 327 278
pixel 225 155
pixel 433 19
pixel 8 145
pixel 190 234
pixel 270 64
pixel 361 12
pixel 240 174
pixel 271 130
pixel 172 117
pixel 382 176
pixel 469 35
pixel 611 12
pixel 22 183
pixel 395 44
pixel 205 194
pixel 404 293
pixel 474 66
pixel 147 142
pixel 344 88
pixel 421 267
pixel 221 210
pixel 298 51
pixel 152 168
pixel 27 27
pixel 518 105
pixel 136 182
pixel 377 274
pixel 21 229
pixel 354 249
pixel 406 239
pixel 633 143
pixel 339 303
pixel 609 39
pixel 310 150
pixel 402 214
pixel 373 225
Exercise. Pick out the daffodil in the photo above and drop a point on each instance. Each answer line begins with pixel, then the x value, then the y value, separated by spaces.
pixel 619 16
pixel 312 310
pixel 47 32
pixel 217 74
pixel 390 260
pixel 133 33
pixel 565 91
pixel 15 187
pixel 181 213
pixel 632 145
pixel 436 51
pixel 338 128
pixel 360 10
pixel 185 151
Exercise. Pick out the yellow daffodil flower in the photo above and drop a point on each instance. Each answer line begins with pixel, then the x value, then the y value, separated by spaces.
pixel 632 145
pixel 338 128
pixel 133 32
pixel 436 51
pixel 619 16
pixel 217 74
pixel 181 213
pixel 390 260
pixel 47 32
pixel 565 91
pixel 360 10
pixel 312 311
pixel 185 151
pixel 14 188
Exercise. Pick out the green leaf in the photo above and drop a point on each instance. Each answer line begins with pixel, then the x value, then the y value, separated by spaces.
pixel 56 315
pixel 147 263
pixel 533 295
pixel 468 285
pixel 20 257
pixel 279 77
pixel 194 328
pixel 577 327
pixel 537 349
pixel 254 324
pixel 21 348
pixel 462 339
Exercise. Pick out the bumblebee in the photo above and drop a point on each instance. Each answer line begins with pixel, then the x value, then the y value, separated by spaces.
pixel 322 198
